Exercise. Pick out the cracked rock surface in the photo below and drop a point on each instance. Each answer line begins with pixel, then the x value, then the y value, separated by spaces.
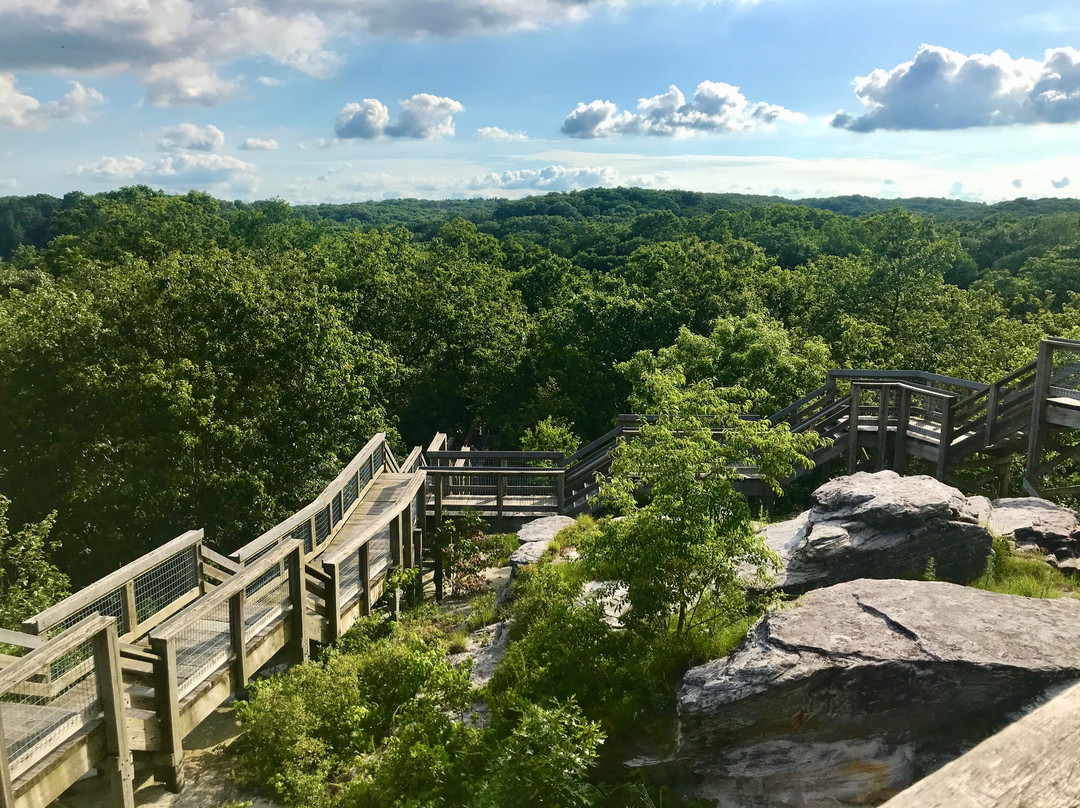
pixel 1037 524
pixel 862 687
pixel 881 526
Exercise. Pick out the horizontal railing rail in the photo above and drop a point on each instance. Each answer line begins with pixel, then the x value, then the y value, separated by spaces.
pixel 139 595
pixel 316 523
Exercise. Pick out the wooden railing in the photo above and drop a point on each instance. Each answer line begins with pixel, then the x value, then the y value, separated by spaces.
pixel 316 524
pixel 139 595
pixel 61 712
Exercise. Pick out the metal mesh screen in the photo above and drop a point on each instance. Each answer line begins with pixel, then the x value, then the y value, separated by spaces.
pixel 335 507
pixel 378 457
pixel 157 588
pixel 202 648
pixel 110 605
pixel 379 557
pixel 349 579
pixel 266 605
pixel 48 707
pixel 303 533
pixel 1065 374
pixel 364 475
pixel 349 492
pixel 322 524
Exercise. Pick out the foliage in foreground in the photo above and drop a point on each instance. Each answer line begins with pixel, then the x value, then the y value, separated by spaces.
pixel 29 579
pixel 374 725
pixel 1013 573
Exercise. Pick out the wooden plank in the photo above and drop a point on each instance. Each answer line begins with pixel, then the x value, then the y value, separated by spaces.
pixel 170 762
pixel 7 792
pixel 1038 407
pixel 40 786
pixel 40 623
pixel 298 599
pixel 21 640
pixel 226 563
pixel 118 764
pixel 1032 763
pixel 853 429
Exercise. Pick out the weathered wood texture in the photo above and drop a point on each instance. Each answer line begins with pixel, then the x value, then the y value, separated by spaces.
pixel 1033 763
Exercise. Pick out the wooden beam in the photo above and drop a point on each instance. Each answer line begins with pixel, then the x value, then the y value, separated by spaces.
pixel 1032 763
pixel 7 792
pixel 1040 390
pixel 903 421
pixel 169 767
pixel 853 429
pixel 118 765
pixel 238 637
pixel 298 599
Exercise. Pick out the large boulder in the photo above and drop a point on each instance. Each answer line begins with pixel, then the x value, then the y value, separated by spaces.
pixel 860 688
pixel 1037 524
pixel 881 526
pixel 534 539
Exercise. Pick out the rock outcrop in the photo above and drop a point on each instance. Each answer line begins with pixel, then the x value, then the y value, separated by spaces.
pixel 860 688
pixel 881 526
pixel 535 537
pixel 1037 525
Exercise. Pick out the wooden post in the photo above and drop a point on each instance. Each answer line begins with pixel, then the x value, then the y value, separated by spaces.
pixel 440 481
pixel 365 579
pixel 169 768
pixel 853 430
pixel 333 600
pixel 991 412
pixel 903 422
pixel 396 553
pixel 298 599
pixel 882 426
pixel 238 634
pixel 436 554
pixel 7 792
pixel 560 492
pixel 119 765
pixel 500 496
pixel 945 437
pixel 1039 394
pixel 196 560
pixel 405 539
pixel 131 608
pixel 418 554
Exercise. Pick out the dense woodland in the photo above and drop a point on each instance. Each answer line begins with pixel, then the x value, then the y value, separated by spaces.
pixel 168 362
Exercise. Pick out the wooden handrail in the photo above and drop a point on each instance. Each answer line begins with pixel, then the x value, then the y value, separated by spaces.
pixel 389 515
pixel 112 582
pixel 322 501
pixel 239 582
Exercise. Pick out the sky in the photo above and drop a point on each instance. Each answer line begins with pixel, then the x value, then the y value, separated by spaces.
pixel 348 100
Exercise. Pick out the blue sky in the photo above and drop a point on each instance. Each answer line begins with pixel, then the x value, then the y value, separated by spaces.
pixel 342 100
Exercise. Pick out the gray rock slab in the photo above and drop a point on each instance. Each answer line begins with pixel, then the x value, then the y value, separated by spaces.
pixel 871 682
pixel 881 526
pixel 527 554
pixel 544 528
pixel 1029 520
pixel 613 597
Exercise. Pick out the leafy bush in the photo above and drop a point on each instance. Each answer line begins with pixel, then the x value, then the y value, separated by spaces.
pixel 551 435
pixel 29 580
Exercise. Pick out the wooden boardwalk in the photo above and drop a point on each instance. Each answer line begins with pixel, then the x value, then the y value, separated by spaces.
pixel 131 664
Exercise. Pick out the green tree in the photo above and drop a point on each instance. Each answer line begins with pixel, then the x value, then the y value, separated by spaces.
pixel 551 435
pixel 684 549
pixel 29 580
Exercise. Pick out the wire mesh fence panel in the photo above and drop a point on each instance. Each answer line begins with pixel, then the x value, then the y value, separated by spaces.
pixel 322 525
pixel 1065 374
pixel 350 492
pixel 265 579
pixel 110 605
pixel 267 606
pixel 529 486
pixel 303 533
pixel 165 583
pixel 202 648
pixel 349 579
pixel 335 505
pixel 378 457
pixel 49 706
pixel 379 557
pixel 364 475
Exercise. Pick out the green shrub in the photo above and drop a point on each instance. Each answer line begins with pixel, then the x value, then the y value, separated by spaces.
pixel 483 613
pixel 545 761
pixel 497 548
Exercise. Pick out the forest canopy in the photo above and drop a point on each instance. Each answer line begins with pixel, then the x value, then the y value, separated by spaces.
pixel 170 362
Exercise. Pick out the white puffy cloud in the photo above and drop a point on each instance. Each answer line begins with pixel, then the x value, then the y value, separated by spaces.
pixel 498 133
pixel 549 178
pixel 190 137
pixel 112 168
pixel 943 89
pixel 258 144
pixel 423 116
pixel 177 170
pixel 26 112
pixel 162 41
pixel 716 108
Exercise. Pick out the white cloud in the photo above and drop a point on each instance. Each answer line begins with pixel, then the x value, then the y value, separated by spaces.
pixel 26 112
pixel 497 133
pixel 8 182
pixel 716 108
pixel 1064 182
pixel 423 116
pixel 191 137
pixel 269 81
pixel 258 144
pixel 186 82
pixel 943 89
pixel 549 178
pixel 111 168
